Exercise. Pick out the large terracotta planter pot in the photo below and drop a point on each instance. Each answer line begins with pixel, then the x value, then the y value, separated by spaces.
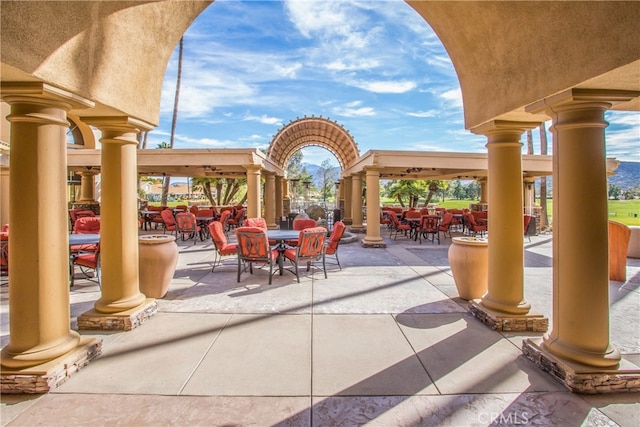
pixel 469 261
pixel 158 257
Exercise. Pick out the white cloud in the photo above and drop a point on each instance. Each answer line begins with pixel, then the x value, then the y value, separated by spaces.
pixel 423 114
pixel 354 109
pixel 264 120
pixel 386 86
pixel 453 98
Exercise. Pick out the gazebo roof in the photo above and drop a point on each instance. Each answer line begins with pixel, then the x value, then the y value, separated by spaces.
pixel 439 165
pixel 212 163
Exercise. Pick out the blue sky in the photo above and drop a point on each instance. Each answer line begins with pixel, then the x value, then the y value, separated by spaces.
pixel 377 68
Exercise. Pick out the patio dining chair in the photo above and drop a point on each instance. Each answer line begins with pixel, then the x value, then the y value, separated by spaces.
pixel 86 261
pixel 445 224
pixel 398 227
pixel 253 247
pixel 310 249
pixel 429 227
pixel 222 246
pixel 169 221
pixel 237 219
pixel 334 241
pixel 473 227
pixel 187 227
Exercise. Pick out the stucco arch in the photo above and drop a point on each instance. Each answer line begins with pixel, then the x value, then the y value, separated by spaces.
pixel 317 131
pixel 116 53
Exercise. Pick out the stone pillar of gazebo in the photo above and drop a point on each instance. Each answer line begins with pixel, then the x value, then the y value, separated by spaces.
pixel 253 190
pixel 528 188
pixel 42 351
pixel 373 239
pixel 122 306
pixel 87 199
pixel 577 349
pixel 286 201
pixel 356 204
pixel 504 307
pixel 279 200
pixel 270 200
pixel 4 188
pixel 484 191
pixel 348 200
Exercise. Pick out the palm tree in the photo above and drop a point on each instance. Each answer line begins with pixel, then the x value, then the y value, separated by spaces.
pixel 174 120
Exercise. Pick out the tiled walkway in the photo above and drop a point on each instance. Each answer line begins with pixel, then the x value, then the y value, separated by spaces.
pixel 383 342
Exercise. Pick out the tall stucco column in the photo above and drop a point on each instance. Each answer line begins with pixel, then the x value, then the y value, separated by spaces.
pixel 253 191
pixel 279 198
pixel 270 200
pixel 118 216
pixel 39 314
pixel 87 186
pixel 356 204
pixel 505 294
pixel 506 244
pixel 580 329
pixel 348 200
pixel 373 238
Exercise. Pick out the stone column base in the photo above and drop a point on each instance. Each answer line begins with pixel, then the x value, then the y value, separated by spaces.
pixel 508 322
pixel 123 321
pixel 361 229
pixel 47 376
pixel 373 244
pixel 580 378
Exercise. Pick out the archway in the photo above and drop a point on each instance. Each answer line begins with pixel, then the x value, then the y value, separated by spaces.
pixel 313 130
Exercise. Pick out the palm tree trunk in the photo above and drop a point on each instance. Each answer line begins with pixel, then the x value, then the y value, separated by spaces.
pixel 544 215
pixel 174 121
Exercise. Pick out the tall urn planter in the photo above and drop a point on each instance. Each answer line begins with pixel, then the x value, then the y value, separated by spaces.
pixel 469 261
pixel 158 257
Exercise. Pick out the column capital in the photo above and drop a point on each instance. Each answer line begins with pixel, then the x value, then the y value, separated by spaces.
pixel 124 124
pixel 252 168
pixel 12 92
pixel 507 128
pixel 574 96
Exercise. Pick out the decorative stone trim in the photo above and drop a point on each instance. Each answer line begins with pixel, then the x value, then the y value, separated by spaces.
pixel 373 245
pixel 509 322
pixel 582 379
pixel 124 321
pixel 48 376
pixel 358 229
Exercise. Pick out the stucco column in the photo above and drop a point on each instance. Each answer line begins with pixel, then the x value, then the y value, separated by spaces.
pixel 39 312
pixel 348 200
pixel 356 203
pixel 118 216
pixel 506 244
pixel 279 199
pixel 270 200
pixel 253 191
pixel 484 190
pixel 286 200
pixel 4 189
pixel 373 238
pixel 580 329
pixel 87 186
pixel 529 195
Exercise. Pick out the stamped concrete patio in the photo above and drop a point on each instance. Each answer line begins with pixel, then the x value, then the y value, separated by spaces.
pixel 385 341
